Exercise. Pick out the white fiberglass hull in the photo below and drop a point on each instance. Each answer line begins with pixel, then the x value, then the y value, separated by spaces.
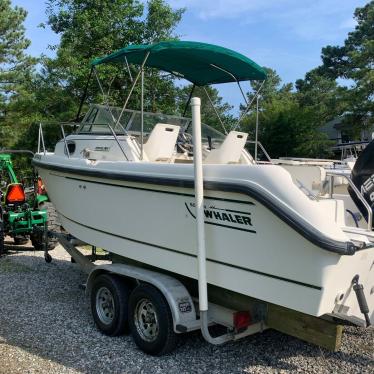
pixel 250 250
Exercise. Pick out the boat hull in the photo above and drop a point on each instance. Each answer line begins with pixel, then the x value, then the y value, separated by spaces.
pixel 249 249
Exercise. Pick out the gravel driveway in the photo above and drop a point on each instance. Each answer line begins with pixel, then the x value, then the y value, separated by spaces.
pixel 46 327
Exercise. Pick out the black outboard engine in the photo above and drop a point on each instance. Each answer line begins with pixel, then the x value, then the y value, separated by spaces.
pixel 363 178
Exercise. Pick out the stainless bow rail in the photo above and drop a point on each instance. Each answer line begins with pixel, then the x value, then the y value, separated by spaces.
pixel 42 143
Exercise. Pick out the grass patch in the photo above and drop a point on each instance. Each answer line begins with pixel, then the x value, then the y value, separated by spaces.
pixel 99 251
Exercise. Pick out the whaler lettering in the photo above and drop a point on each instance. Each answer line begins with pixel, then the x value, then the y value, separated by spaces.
pixel 234 218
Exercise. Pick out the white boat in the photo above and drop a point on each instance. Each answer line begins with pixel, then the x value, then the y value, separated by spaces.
pixel 124 181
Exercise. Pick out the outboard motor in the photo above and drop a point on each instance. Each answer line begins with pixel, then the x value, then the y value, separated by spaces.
pixel 363 178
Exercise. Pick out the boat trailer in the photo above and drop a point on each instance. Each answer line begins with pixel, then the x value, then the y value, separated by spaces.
pixel 243 317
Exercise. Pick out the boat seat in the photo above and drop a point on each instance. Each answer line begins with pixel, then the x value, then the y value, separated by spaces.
pixel 161 142
pixel 230 150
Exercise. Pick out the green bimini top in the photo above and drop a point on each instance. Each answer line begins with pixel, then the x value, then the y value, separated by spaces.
pixel 200 63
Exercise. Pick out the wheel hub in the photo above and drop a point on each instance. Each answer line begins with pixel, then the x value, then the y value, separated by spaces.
pixel 146 321
pixel 105 305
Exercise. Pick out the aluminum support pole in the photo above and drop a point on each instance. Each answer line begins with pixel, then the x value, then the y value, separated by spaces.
pixel 142 115
pixel 188 101
pixel 39 138
pixel 256 136
pixel 131 89
pixel 83 98
pixel 215 110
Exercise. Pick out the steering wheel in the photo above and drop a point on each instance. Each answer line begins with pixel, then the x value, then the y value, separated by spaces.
pixel 184 143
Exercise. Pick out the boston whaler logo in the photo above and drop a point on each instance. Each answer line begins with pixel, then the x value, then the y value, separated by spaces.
pixel 220 216
pixel 102 149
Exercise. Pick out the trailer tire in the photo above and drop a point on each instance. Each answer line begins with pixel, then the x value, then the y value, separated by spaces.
pixel 109 304
pixel 151 321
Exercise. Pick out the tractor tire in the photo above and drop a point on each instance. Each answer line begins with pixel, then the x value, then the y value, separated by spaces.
pixel 20 240
pixel 53 224
pixel 2 249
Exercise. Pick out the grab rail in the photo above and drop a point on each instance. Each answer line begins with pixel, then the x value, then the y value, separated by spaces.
pixel 356 191
pixel 262 149
pixel 41 138
pixel 66 143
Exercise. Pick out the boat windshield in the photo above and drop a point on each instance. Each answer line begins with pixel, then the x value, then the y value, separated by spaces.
pixel 98 118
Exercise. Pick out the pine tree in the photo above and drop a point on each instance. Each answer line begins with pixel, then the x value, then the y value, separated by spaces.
pixel 15 64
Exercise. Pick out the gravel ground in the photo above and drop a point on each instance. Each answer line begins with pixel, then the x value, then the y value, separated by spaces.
pixel 46 327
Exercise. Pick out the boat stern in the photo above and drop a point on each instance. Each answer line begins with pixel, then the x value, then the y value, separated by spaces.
pixel 353 289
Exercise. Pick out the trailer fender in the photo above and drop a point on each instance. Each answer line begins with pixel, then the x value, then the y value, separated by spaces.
pixel 175 293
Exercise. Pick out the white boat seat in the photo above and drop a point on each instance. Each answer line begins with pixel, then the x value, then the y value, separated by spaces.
pixel 161 142
pixel 230 150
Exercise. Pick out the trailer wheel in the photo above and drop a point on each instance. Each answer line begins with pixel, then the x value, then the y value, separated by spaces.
pixel 150 321
pixel 109 304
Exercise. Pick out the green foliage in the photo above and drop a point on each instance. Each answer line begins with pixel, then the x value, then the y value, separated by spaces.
pixel 91 29
pixel 355 61
pixel 208 114
pixel 15 65
pixel 322 95
pixel 288 121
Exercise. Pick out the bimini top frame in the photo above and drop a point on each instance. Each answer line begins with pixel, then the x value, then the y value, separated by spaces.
pixel 200 63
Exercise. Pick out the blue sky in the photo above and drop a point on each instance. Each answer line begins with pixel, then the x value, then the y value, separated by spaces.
pixel 286 35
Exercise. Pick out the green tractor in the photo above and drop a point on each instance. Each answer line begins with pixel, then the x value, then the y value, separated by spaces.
pixel 25 212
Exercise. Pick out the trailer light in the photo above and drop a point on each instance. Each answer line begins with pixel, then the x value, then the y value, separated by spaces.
pixel 241 320
pixel 15 194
